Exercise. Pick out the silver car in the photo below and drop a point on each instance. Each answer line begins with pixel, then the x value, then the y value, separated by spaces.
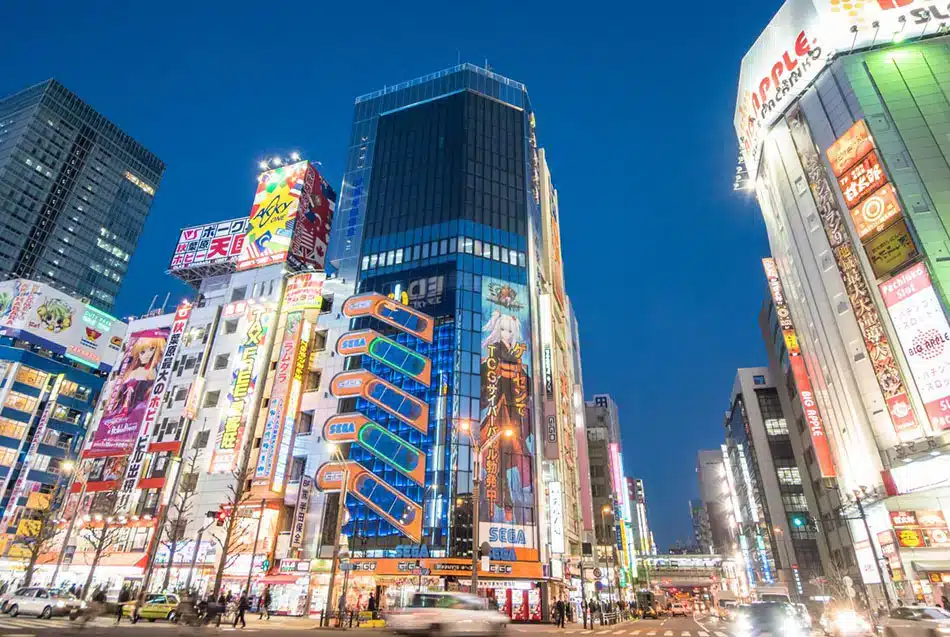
pixel 42 602
pixel 916 621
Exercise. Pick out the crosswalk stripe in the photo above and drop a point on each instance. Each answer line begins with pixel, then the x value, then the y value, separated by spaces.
pixel 619 632
pixel 720 634
pixel 668 633
pixel 601 632
pixel 703 634
pixel 685 633
pixel 652 632
pixel 634 632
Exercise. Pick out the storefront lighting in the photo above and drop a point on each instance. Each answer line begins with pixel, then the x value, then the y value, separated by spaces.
pixel 98 517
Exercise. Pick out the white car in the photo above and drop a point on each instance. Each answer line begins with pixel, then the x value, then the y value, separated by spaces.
pixel 916 621
pixel 42 602
pixel 440 614
pixel 678 609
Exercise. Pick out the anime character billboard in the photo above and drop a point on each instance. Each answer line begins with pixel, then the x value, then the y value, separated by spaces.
pixel 128 398
pixel 507 512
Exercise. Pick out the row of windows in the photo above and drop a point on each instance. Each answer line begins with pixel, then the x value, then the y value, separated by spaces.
pixel 466 245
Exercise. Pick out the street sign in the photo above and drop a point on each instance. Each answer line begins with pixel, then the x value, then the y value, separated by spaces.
pixel 598 573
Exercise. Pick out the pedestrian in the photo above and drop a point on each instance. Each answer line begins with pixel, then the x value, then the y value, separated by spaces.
pixel 569 609
pixel 124 596
pixel 559 613
pixel 371 605
pixel 946 602
pixel 242 606
pixel 584 612
pixel 341 610
pixel 265 604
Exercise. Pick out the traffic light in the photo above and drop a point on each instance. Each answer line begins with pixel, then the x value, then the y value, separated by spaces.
pixel 221 517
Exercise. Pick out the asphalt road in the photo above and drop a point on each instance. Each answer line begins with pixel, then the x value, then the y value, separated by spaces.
pixel 287 627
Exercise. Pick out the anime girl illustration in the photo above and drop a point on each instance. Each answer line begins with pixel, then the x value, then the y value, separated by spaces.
pixel 55 314
pixel 505 402
pixel 131 388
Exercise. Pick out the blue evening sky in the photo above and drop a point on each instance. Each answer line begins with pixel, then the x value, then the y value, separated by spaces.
pixel 634 105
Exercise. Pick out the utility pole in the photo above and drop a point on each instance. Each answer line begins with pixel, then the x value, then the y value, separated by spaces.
pixel 257 536
pixel 877 560
pixel 336 545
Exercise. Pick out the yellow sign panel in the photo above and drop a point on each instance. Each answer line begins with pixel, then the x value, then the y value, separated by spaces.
pixel 29 528
pixel 38 501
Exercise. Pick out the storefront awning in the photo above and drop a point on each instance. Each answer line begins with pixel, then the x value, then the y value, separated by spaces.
pixel 281 579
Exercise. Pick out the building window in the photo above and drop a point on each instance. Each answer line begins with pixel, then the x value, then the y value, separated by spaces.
pixel 789 475
pixel 776 426
pixel 238 294
pixel 297 469
pixel 230 326
pixel 758 380
pixel 221 361
pixel 305 423
pixel 211 398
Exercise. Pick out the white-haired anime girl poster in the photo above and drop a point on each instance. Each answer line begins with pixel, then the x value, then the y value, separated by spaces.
pixel 508 493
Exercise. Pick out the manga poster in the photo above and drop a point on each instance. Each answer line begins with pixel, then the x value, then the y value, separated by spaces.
pixel 131 388
pixel 507 504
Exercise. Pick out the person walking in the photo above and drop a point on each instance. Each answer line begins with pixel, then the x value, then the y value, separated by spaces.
pixel 341 611
pixel 265 604
pixel 242 607
pixel 124 596
pixel 559 613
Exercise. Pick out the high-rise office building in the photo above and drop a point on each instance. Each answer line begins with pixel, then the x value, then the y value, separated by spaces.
pixel 841 118
pixel 775 530
pixel 715 498
pixel 75 191
pixel 448 210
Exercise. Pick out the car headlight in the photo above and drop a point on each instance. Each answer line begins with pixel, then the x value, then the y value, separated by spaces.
pixel 83 604
pixel 943 629
pixel 60 604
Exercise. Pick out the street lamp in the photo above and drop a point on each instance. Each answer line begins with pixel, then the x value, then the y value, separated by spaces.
pixel 478 450
pixel 335 452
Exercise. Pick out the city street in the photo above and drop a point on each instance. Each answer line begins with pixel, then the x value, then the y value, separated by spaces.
pixel 673 627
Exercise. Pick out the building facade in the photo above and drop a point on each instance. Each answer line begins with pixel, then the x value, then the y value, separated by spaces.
pixel 715 497
pixel 775 530
pixel 850 171
pixel 75 191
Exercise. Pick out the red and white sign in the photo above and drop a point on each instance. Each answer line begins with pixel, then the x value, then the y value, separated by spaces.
pixel 805 392
pixel 210 244
pixel 903 519
pixel 861 180
pixel 924 334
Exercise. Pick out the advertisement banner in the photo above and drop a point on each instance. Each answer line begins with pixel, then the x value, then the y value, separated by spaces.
pixel 390 311
pixel 210 244
pixel 291 411
pixel 856 286
pixel 875 213
pixel 862 179
pixel 891 249
pixel 556 513
pixel 299 523
pixel 308 249
pixel 806 394
pixel 924 334
pixel 131 388
pixel 39 314
pixel 508 478
pixel 384 395
pixel 244 385
pixel 276 407
pixel 160 387
pixel 271 222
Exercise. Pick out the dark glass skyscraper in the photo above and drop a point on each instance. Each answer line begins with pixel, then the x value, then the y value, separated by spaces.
pixel 436 212
pixel 75 191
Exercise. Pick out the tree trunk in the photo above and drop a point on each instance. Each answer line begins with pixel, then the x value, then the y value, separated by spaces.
pixel 171 560
pixel 100 547
pixel 219 574
pixel 31 567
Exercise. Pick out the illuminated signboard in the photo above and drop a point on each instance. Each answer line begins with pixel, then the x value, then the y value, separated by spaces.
pixel 806 394
pixel 384 445
pixel 875 213
pixel 144 187
pixel 384 395
pixel 244 385
pixel 920 529
pixel 849 148
pixel 556 511
pixel 876 343
pixel 308 249
pixel 891 249
pixel 304 292
pixel 506 404
pixel 286 439
pixel 299 522
pixel 209 244
pixel 862 179
pixel 386 351
pixel 44 316
pixel 390 311
pixel 799 42
pixel 391 505
pixel 923 332
pixel 271 222
pixel 157 394
pixel 277 405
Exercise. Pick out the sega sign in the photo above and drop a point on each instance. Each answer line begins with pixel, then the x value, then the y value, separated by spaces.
pixel 511 539
pixel 344 427
pixel 340 428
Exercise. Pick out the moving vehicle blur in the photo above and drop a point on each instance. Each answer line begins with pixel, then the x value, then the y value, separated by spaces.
pixel 42 602
pixel 437 613
pixel 768 619
pixel 844 622
pixel 916 621
pixel 155 607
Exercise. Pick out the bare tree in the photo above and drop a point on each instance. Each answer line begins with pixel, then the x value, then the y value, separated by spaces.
pixel 239 493
pixel 180 512
pixel 100 532
pixel 36 531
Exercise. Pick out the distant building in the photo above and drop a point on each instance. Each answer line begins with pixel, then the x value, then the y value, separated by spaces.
pixel 702 535
pixel 714 495
pixel 75 191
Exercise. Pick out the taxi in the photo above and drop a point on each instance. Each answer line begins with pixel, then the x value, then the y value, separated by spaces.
pixel 159 606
